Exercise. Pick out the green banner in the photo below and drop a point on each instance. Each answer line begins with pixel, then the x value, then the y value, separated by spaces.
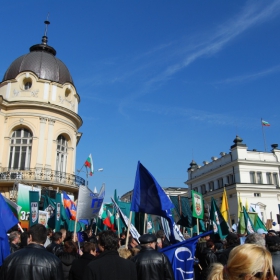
pixel 34 208
pixel 198 207
pixel 58 212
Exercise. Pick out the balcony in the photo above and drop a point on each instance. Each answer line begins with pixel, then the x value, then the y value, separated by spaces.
pixel 41 176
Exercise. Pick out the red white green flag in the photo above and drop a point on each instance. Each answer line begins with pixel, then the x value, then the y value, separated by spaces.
pixel 264 123
pixel 89 164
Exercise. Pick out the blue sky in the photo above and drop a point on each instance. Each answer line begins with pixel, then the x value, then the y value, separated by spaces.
pixel 163 82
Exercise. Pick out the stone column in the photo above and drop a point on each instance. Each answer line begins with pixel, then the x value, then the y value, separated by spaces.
pixel 40 151
pixel 49 144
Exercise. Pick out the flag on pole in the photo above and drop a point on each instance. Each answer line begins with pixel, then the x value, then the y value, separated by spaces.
pixel 88 203
pixel 70 207
pixel 181 256
pixel 224 206
pixel 13 206
pixel 198 207
pixel 89 164
pixel 248 223
pixel 109 220
pixel 264 123
pixel 7 220
pixel 219 225
pixel 148 197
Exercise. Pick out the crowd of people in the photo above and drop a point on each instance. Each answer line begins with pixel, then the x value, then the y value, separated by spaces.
pixel 43 254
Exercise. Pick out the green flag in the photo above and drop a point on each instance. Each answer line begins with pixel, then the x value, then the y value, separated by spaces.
pixel 258 222
pixel 198 207
pixel 219 225
pixel 34 208
pixel 248 222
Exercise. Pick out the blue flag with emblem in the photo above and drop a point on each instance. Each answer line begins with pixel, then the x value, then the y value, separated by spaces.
pixel 181 257
pixel 148 197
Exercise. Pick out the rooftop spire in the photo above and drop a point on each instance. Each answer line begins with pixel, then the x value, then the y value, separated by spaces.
pixel 44 46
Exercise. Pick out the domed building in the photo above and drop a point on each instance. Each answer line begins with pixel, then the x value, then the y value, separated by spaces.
pixel 39 123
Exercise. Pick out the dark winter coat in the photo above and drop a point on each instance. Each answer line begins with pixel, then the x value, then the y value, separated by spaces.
pixel 67 260
pixel 152 265
pixel 79 265
pixel 32 262
pixel 206 259
pixel 109 265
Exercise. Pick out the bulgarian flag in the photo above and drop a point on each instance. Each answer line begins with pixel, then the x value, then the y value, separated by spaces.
pixel 89 164
pixel 13 206
pixel 264 123
pixel 109 220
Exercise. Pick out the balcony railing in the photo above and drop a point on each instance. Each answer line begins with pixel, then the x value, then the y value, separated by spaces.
pixel 41 175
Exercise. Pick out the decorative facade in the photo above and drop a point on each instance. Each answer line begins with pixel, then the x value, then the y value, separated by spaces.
pixel 39 123
pixel 253 175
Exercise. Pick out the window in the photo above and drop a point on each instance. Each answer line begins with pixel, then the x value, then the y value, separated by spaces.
pixel 275 179
pixel 220 183
pixel 257 194
pixel 252 177
pixel 268 178
pixel 195 189
pixel 61 154
pixel 203 189
pixel 259 178
pixel 230 179
pixel 211 186
pixel 20 149
pixel 27 83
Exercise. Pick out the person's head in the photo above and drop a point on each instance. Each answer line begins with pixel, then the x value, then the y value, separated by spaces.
pixel 49 232
pixel 108 240
pixel 70 247
pixel 37 234
pixel 89 248
pixel 24 236
pixel 63 232
pixel 124 253
pixel 160 234
pixel 210 244
pixel 273 243
pixel 132 242
pixel 57 237
pixel 246 262
pixel 232 240
pixel 148 240
pixel 255 238
pixel 159 243
pixel 14 237
pixel 134 251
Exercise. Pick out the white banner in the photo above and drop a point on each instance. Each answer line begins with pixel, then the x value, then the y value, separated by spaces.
pixel 89 203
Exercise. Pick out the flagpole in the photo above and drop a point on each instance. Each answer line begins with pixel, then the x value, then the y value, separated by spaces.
pixel 263 135
pixel 128 229
pixel 197 225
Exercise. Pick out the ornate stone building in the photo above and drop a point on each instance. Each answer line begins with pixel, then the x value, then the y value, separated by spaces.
pixel 39 123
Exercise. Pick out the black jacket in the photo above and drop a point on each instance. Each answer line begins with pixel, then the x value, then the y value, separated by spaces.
pixel 110 266
pixel 32 262
pixel 55 248
pixel 79 265
pixel 67 260
pixel 207 258
pixel 152 265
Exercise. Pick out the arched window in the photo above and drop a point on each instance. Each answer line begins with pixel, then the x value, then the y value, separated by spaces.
pixel 61 153
pixel 20 149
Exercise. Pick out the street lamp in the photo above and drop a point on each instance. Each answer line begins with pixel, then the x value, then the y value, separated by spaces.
pixel 80 170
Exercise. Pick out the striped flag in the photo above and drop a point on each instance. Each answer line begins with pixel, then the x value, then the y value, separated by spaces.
pixel 264 123
pixel 89 164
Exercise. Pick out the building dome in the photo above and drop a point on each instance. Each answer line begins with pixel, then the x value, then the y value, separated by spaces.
pixel 42 61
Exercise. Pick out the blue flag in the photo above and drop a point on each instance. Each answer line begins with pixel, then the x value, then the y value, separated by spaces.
pixel 181 257
pixel 7 221
pixel 148 197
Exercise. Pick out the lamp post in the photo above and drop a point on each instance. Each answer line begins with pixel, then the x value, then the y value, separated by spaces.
pixel 80 170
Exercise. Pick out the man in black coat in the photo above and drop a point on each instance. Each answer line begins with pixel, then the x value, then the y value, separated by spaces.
pixel 151 264
pixel 109 265
pixel 79 265
pixel 32 262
